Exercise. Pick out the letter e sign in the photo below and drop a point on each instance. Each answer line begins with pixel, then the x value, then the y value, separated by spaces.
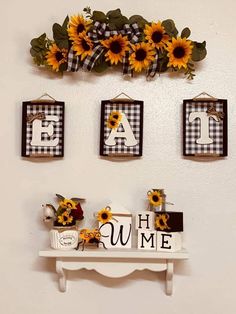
pixel 43 129
pixel 121 132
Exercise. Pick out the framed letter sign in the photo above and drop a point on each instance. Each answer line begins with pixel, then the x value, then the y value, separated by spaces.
pixel 42 129
pixel 205 127
pixel 121 128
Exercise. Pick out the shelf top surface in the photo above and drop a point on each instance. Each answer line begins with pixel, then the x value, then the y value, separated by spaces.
pixel 114 253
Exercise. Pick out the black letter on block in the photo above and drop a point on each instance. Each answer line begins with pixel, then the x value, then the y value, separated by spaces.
pixel 142 219
pixel 163 241
pixel 147 240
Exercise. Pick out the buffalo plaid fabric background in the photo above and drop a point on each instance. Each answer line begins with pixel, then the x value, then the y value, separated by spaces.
pixel 134 114
pixel 192 130
pixel 56 109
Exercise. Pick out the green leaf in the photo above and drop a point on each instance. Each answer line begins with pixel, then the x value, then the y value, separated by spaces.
pixel 60 36
pixel 185 32
pixel 63 67
pixel 117 23
pixel 114 14
pixel 170 28
pixel 199 51
pixel 101 67
pixel 76 199
pixel 99 16
pixel 139 20
pixel 60 197
pixel 38 42
pixel 65 23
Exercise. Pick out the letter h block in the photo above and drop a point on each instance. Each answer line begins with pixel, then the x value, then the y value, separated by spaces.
pixel 144 220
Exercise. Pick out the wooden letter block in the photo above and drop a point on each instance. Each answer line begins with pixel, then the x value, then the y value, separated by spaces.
pixel 169 221
pixel 117 233
pixel 147 240
pixel 169 241
pixel 145 220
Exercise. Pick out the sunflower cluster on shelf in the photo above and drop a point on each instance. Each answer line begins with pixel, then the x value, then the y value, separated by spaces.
pixel 68 213
pixel 100 41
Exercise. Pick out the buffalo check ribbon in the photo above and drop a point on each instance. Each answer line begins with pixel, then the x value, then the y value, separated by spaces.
pixel 100 31
pixel 73 61
pixel 152 70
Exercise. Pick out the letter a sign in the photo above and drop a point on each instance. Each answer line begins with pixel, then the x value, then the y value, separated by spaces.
pixel 121 128
pixel 205 127
pixel 42 129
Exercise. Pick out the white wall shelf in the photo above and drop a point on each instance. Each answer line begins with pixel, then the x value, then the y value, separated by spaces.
pixel 105 262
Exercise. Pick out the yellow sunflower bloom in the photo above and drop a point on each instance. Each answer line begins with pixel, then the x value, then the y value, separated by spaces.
pixel 83 45
pixel 56 56
pixel 66 203
pixel 115 115
pixel 161 222
pixel 156 36
pixel 77 25
pixel 112 123
pixel 65 218
pixel 142 56
pixel 117 45
pixel 104 215
pixel 179 52
pixel 155 198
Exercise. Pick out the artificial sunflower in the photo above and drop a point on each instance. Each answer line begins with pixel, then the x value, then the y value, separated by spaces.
pixel 117 45
pixel 83 45
pixel 156 36
pixel 142 56
pixel 65 218
pixel 104 215
pixel 56 56
pixel 179 52
pixel 155 198
pixel 66 203
pixel 115 115
pixel 77 25
pixel 112 123
pixel 161 222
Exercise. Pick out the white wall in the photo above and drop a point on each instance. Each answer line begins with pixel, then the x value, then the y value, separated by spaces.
pixel 204 191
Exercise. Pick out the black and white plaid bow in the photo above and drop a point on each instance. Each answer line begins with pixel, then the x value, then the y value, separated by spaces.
pixel 152 70
pixel 100 31
pixel 73 61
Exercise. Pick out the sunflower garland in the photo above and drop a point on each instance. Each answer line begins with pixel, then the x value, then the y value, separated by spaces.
pixel 98 41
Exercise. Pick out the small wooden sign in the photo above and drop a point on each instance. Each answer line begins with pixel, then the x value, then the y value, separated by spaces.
pixel 205 127
pixel 169 221
pixel 121 132
pixel 43 129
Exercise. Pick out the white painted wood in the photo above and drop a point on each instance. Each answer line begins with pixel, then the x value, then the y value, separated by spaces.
pixel 145 220
pixel 204 126
pixel 169 241
pixel 38 129
pixel 114 263
pixel 118 232
pixel 147 239
pixel 127 134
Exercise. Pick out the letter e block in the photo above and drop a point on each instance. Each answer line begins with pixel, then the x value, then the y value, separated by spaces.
pixel 169 241
pixel 145 220
pixel 147 240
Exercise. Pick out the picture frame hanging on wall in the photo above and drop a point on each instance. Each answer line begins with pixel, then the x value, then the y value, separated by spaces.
pixel 43 128
pixel 205 126
pixel 121 133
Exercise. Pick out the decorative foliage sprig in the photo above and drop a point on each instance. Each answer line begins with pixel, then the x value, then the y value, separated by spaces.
pixel 99 41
